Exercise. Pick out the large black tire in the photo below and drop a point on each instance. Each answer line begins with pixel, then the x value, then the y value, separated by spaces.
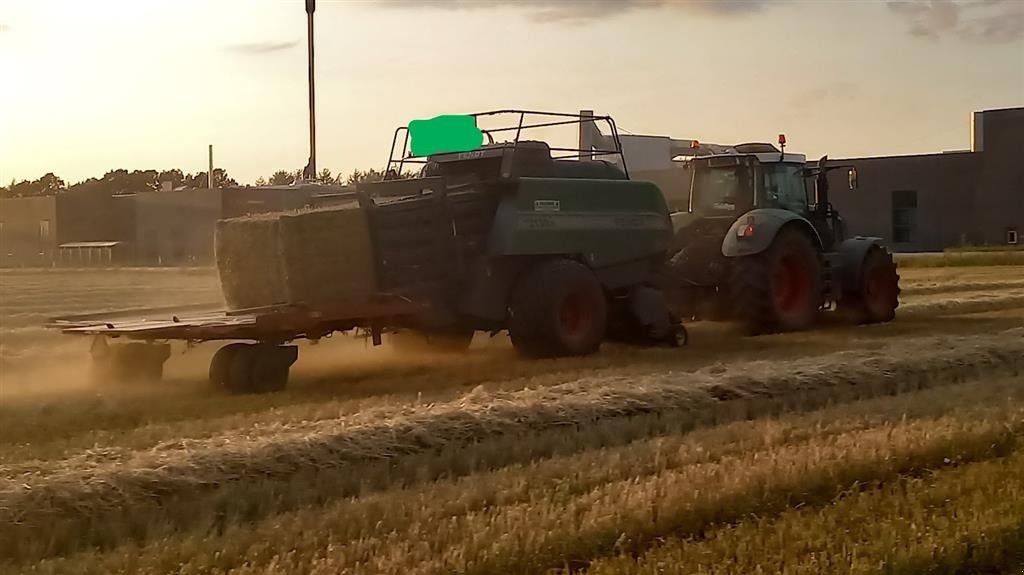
pixel 220 364
pixel 876 296
pixel 557 309
pixel 240 370
pixel 271 366
pixel 259 368
pixel 778 289
pixel 418 341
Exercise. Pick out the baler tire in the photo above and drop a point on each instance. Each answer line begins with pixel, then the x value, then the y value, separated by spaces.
pixel 558 309
pixel 877 296
pixel 778 289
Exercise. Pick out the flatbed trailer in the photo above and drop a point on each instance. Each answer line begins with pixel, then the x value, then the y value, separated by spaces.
pixel 259 337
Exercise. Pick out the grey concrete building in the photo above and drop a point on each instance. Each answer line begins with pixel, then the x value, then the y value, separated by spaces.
pixel 177 227
pixel 32 230
pixel 28 232
pixel 931 202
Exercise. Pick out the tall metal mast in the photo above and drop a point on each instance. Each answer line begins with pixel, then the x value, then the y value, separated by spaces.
pixel 311 166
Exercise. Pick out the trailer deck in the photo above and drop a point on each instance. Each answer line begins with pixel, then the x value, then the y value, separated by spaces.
pixel 205 322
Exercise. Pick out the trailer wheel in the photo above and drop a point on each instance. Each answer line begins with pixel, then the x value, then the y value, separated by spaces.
pixel 558 309
pixel 877 296
pixel 271 366
pixel 220 364
pixel 258 368
pixel 778 289
pixel 240 366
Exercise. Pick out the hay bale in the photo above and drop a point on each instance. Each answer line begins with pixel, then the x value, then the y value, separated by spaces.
pixel 249 262
pixel 327 256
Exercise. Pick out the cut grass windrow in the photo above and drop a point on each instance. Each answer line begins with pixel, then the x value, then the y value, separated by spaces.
pixel 964 520
pixel 66 504
pixel 525 519
pixel 596 453
pixel 938 287
pixel 975 302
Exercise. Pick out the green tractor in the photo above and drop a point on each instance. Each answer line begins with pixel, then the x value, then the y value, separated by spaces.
pixel 760 244
pixel 555 245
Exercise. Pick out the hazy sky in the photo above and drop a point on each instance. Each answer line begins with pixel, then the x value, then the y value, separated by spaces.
pixel 92 85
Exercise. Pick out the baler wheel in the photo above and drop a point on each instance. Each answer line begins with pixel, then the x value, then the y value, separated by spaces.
pixel 557 309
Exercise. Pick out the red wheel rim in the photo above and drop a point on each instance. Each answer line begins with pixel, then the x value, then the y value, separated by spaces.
pixel 877 285
pixel 574 315
pixel 790 284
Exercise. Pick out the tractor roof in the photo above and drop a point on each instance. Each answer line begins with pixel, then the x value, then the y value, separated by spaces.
pixel 765 153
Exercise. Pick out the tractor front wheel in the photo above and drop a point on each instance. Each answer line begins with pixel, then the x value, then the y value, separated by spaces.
pixel 876 296
pixel 558 309
pixel 778 289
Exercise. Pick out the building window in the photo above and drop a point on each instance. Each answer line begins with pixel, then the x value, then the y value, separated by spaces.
pixel 1011 237
pixel 904 216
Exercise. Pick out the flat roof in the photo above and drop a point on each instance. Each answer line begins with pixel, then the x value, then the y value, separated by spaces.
pixel 949 154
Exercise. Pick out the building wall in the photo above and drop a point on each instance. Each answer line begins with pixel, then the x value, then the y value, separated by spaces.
pixel 28 232
pixel 177 227
pixel 674 184
pixel 963 198
pixel 95 217
pixel 945 191
pixel 1000 195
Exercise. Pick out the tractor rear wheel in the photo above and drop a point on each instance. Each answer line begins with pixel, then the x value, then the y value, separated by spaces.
pixel 876 297
pixel 778 289
pixel 557 309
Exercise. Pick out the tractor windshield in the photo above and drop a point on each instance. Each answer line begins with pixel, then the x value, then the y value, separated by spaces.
pixel 726 189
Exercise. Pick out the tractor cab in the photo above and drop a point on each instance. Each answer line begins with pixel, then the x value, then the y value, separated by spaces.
pixel 762 176
pixel 755 176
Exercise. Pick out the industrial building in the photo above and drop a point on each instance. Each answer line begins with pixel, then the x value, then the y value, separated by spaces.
pixel 930 202
pixel 151 228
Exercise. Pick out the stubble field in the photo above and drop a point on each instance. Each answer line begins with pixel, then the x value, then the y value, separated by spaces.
pixel 892 448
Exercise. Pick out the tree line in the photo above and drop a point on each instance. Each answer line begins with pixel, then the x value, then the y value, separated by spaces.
pixel 124 182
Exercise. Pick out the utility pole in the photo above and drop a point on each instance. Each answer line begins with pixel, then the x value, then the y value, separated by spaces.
pixel 209 175
pixel 310 171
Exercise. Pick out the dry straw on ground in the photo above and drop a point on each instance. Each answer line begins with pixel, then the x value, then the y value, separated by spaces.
pixel 73 488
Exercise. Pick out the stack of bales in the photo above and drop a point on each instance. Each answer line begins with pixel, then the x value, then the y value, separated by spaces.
pixel 318 258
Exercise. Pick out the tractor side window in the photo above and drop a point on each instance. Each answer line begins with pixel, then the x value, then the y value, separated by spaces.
pixel 783 186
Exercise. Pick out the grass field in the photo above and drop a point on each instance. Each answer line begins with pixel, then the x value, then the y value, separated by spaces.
pixel 894 448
